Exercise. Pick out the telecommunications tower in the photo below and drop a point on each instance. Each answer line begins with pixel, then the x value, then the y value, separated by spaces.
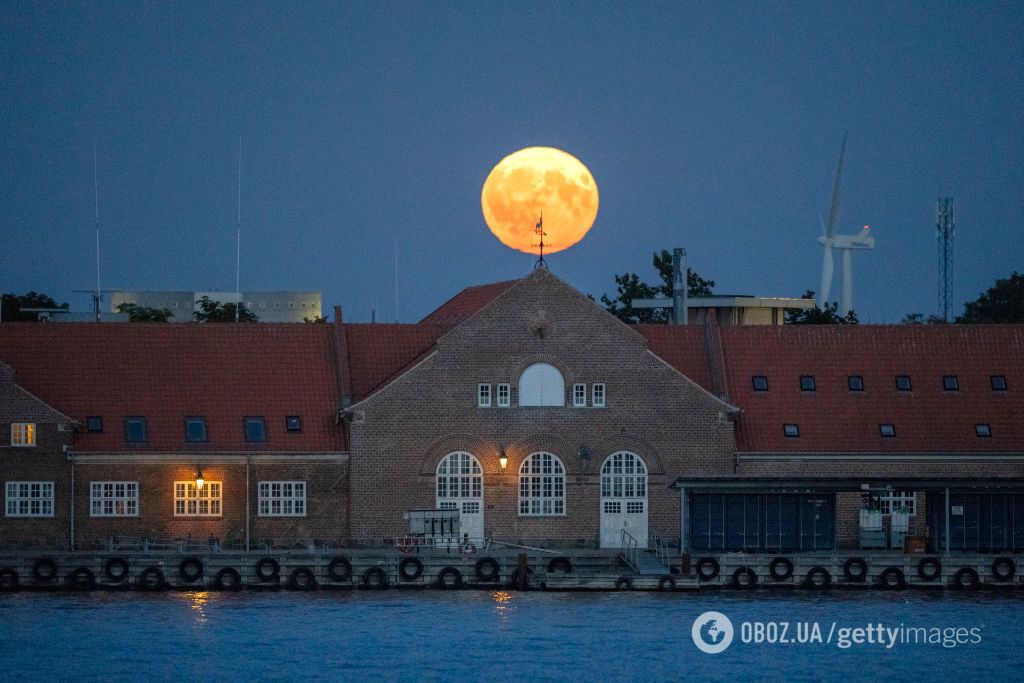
pixel 945 228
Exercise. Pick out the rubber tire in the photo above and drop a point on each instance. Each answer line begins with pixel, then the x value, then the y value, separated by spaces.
pixel 44 576
pixel 562 562
pixel 708 561
pixel 958 579
pixel 667 583
pixel 781 576
pixel 380 580
pixel 82 579
pixel 495 570
pixel 929 562
pixel 449 571
pixel 884 582
pixel 417 569
pixel 744 571
pixel 818 571
pixel 116 576
pixel 332 569
pixel 1011 569
pixel 275 569
pixel 8 579
pixel 308 584
pixel 855 562
pixel 234 584
pixel 195 574
pixel 623 584
pixel 144 583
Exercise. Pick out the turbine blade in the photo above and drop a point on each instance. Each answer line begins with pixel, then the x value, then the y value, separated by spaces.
pixel 833 212
pixel 826 275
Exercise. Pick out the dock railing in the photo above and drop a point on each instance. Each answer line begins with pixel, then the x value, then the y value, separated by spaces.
pixel 630 550
pixel 661 547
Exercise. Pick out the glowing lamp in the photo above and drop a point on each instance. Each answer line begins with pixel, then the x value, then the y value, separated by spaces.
pixel 199 478
pixel 503 460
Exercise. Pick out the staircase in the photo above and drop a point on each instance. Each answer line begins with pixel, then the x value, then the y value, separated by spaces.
pixel 643 561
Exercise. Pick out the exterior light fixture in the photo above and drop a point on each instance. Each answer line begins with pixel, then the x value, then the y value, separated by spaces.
pixel 503 459
pixel 584 455
pixel 199 478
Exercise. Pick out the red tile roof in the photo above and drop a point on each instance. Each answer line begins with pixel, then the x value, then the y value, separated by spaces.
pixel 683 347
pixel 377 352
pixel 466 303
pixel 833 418
pixel 166 372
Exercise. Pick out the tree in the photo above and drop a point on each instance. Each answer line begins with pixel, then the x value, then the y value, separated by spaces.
pixel 630 287
pixel 145 314
pixel 829 315
pixel 919 319
pixel 216 312
pixel 1002 303
pixel 13 303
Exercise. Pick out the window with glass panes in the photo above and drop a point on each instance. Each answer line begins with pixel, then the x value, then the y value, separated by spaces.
pixel 282 499
pixel 459 476
pixel 192 501
pixel 114 499
pixel 29 499
pixel 542 486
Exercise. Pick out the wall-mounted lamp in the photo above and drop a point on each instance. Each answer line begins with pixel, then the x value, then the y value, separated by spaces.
pixel 584 455
pixel 503 459
pixel 199 478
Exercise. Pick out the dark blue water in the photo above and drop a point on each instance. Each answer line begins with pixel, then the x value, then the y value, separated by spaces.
pixel 476 635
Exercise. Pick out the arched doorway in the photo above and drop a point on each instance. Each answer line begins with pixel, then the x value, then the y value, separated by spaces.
pixel 623 499
pixel 460 486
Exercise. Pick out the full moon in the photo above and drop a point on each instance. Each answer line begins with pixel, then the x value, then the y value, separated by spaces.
pixel 535 180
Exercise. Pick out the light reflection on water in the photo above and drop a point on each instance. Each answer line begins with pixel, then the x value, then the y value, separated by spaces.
pixel 473 635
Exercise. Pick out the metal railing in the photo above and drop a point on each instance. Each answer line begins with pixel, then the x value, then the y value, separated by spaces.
pixel 630 551
pixel 662 548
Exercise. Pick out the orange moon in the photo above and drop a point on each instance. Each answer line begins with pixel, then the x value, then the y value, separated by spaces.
pixel 535 180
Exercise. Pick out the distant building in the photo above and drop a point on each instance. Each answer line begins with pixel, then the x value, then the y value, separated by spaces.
pixel 271 307
pixel 738 309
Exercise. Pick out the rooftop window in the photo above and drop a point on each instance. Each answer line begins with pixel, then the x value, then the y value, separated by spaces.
pixel 855 383
pixel 998 382
pixel 887 430
pixel 791 430
pixel 950 383
pixel 195 429
pixel 806 382
pixel 983 430
pixel 135 430
pixel 293 423
pixel 255 429
pixel 94 424
pixel 760 382
pixel 902 382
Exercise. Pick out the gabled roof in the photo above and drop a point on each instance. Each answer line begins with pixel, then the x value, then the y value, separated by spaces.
pixel 18 404
pixel 378 352
pixel 683 347
pixel 165 372
pixel 466 303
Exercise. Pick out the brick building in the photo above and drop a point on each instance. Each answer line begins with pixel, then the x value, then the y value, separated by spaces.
pixel 527 410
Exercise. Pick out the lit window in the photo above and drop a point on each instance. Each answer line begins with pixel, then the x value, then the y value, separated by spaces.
pixel 855 383
pixel 23 434
pixel 459 476
pixel 293 423
pixel 192 501
pixel 983 430
pixel 504 395
pixel 597 396
pixel 541 385
pixel 483 395
pixel 902 382
pixel 887 430
pixel 760 382
pixel 195 429
pixel 791 430
pixel 282 499
pixel 29 499
pixel 255 429
pixel 950 383
pixel 807 383
pixel 579 395
pixel 135 430
pixel 896 500
pixel 94 424
pixel 542 486
pixel 114 499
pixel 998 382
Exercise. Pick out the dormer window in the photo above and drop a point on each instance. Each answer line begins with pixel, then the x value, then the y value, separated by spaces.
pixel 195 429
pixel 23 434
pixel 950 383
pixel 903 383
pixel 807 383
pixel 983 430
pixel 855 383
pixel 255 429
pixel 792 431
pixel 760 383
pixel 541 385
pixel 998 382
pixel 135 430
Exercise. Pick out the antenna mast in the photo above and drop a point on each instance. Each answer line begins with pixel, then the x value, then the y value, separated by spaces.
pixel 97 297
pixel 238 235
pixel 945 228
pixel 539 229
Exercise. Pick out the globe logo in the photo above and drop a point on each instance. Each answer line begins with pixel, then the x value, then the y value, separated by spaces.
pixel 712 632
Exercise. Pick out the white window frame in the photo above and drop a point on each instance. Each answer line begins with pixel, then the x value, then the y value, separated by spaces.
pixel 542 384
pixel 504 395
pixel 189 499
pixel 542 486
pixel 579 395
pixel 598 395
pixel 458 477
pixel 887 499
pixel 113 499
pixel 23 434
pixel 28 499
pixel 285 498
pixel 483 395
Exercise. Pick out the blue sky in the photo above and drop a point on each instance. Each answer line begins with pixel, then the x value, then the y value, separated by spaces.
pixel 713 126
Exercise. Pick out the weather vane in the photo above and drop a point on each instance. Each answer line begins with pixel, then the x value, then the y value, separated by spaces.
pixel 539 229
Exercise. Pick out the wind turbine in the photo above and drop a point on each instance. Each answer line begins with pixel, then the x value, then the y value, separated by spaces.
pixel 847 243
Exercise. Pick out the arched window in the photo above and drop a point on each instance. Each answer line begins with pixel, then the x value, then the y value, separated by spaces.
pixel 458 477
pixel 623 475
pixel 542 485
pixel 541 385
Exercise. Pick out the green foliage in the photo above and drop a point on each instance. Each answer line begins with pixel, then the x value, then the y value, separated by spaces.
pixel 829 315
pixel 920 319
pixel 1002 303
pixel 145 314
pixel 630 287
pixel 13 303
pixel 216 312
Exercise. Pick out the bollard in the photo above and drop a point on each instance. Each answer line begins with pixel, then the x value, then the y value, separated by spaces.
pixel 523 576
pixel 685 569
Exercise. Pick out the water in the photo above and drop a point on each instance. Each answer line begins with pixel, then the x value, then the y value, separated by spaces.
pixel 487 635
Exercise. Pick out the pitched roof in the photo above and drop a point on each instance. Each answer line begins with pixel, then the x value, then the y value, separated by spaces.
pixel 466 303
pixel 167 372
pixel 833 418
pixel 378 352
pixel 683 347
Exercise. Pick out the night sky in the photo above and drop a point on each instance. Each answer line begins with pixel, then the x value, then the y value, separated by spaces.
pixel 715 127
